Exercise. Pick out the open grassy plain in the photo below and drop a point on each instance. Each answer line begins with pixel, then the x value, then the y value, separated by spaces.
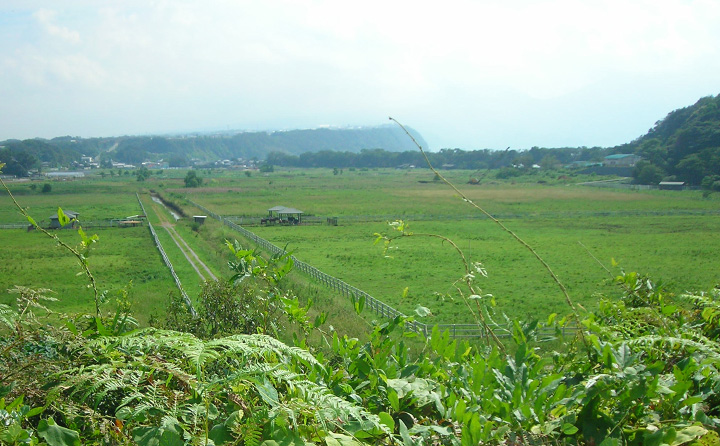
pixel 669 235
pixel 123 257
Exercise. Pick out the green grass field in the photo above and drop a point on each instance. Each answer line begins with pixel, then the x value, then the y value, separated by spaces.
pixel 122 258
pixel 669 235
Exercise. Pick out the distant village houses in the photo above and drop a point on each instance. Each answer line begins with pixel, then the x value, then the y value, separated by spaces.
pixel 156 164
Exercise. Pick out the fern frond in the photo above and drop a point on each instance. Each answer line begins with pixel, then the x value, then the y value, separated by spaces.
pixel 267 344
pixel 249 432
pixel 8 316
pixel 666 344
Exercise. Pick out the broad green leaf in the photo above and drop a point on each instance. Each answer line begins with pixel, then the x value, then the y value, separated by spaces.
pixel 359 303
pixel 393 399
pixel 405 434
pixel 220 434
pixel 460 409
pixel 422 311
pixel 569 429
pixel 268 393
pixel 14 435
pixel 691 400
pixel 56 435
pixel 334 439
pixel 688 434
pixel 609 441
pixel 34 411
pixel 62 218
pixel 156 436
pixel 387 420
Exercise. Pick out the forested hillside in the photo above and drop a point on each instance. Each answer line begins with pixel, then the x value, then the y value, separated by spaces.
pixel 685 146
pixel 21 156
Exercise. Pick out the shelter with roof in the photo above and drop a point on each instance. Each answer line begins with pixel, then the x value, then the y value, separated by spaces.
pixel 671 185
pixel 283 215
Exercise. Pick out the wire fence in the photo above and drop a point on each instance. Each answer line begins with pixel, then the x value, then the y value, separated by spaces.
pixel 244 220
pixel 470 331
pixel 168 263
pixel 85 224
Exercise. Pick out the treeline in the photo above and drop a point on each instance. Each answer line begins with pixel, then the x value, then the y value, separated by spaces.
pixel 685 146
pixel 21 156
pixel 180 151
pixel 447 158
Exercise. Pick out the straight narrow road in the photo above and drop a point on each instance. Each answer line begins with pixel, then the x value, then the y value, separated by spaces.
pixel 187 251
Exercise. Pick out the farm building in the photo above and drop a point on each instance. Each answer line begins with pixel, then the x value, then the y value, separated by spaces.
pixel 64 174
pixel 621 160
pixel 283 214
pixel 55 220
pixel 671 185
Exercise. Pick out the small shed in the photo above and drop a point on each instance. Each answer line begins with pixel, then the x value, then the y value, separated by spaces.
pixel 283 214
pixel 199 219
pixel 671 185
pixel 55 220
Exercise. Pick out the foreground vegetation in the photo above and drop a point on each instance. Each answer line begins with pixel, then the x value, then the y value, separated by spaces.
pixel 642 370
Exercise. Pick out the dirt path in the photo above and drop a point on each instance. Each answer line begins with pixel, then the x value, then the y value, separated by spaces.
pixel 187 251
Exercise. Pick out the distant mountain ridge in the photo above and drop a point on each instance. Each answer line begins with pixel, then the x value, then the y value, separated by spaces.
pixel 684 146
pixel 178 150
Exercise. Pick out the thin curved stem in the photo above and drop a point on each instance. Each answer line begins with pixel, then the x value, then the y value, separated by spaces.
pixel 468 282
pixel 560 285
pixel 76 253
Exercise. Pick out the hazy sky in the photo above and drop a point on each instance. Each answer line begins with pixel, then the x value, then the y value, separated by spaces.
pixel 466 74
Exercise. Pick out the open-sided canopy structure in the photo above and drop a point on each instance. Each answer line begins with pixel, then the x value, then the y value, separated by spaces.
pixel 285 213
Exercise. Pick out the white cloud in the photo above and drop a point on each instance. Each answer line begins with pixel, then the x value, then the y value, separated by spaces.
pixel 179 63
pixel 46 19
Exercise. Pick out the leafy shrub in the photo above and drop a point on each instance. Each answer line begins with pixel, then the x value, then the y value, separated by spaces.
pixel 192 179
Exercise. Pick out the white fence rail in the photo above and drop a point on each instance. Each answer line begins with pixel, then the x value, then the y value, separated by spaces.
pixel 168 263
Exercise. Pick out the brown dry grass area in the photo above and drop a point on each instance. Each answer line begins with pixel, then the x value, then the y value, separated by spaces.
pixel 516 195
pixel 204 190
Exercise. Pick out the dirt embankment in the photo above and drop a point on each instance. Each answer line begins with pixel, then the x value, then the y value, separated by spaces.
pixel 204 190
pixel 169 204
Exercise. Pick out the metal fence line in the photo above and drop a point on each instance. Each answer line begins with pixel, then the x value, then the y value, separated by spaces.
pixel 84 224
pixel 378 307
pixel 313 219
pixel 167 262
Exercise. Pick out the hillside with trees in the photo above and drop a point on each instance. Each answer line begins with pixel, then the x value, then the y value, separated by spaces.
pixel 20 156
pixel 684 146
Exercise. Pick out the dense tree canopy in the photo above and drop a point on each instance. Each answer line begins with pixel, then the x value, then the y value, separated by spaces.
pixel 684 146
